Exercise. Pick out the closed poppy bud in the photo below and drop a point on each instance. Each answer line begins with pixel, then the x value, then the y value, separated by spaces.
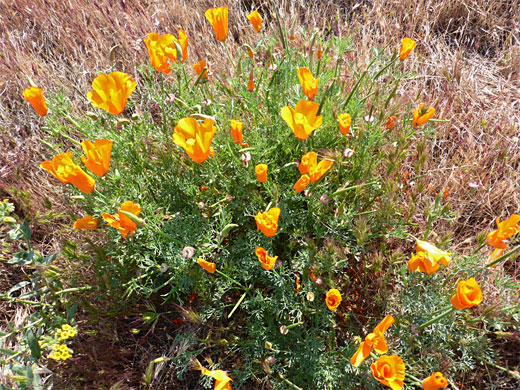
pixel 218 17
pixel 236 131
pixel 267 262
pixel 110 92
pixel 200 67
pixel 97 154
pixel 207 265
pixel 88 222
pixel 302 183
pixel 34 95
pixel 333 299
pixel 389 370
pixel 122 222
pixel 250 53
pixel 407 45
pixel 421 115
pixel 468 295
pixel 344 121
pixel 256 20
pixel 65 170
pixel 308 83
pixel 267 222
pixel 435 381
pixel 303 119
pixel 251 82
pixel 261 173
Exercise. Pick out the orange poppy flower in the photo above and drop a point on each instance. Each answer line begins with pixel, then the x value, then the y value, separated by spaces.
pixel 407 45
pixel 421 115
pixel 390 122
pixel 468 294
pixel 389 370
pixel 256 20
pixel 302 120
pixel 251 82
pixel 308 82
pixel 505 230
pixel 207 265
pixel 344 121
pixel 161 49
pixel 309 164
pixel 375 340
pixel 302 182
pixel 88 222
pixel 34 95
pixel 267 222
pixel 333 299
pixel 267 262
pixel 183 43
pixel 435 381
pixel 97 154
pixel 195 139
pixel 261 173
pixel 428 258
pixel 122 222
pixel 236 131
pixel 65 170
pixel 218 17
pixel 221 378
pixel 200 67
pixel 111 91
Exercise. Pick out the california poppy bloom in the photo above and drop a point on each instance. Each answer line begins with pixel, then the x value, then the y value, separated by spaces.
pixel 389 370
pixel 97 156
pixel 161 49
pixel 256 20
pixel 111 91
pixel 221 378
pixel 88 222
pixel 218 17
pixel 34 95
pixel 236 131
pixel 407 45
pixel 302 120
pixel 344 121
pixel 390 122
pixel 195 139
pixel 207 265
pixel 421 115
pixel 251 82
pixel 261 173
pixel 65 170
pixel 308 82
pixel 309 164
pixel 333 299
pixel 468 295
pixel 375 340
pixel 428 258
pixel 435 381
pixel 200 67
pixel 122 222
pixel 505 230
pixel 267 262
pixel 267 222
pixel 302 182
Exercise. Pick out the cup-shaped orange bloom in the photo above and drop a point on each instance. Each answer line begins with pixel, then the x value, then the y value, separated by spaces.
pixel 256 20
pixel 200 67
pixel 207 265
pixel 88 222
pixel 218 17
pixel 375 340
pixel 468 294
pixel 161 49
pixel 122 222
pixel 267 262
pixel 65 170
pixel 97 156
pixel 435 381
pixel 34 95
pixel 344 121
pixel 267 222
pixel 428 258
pixel 309 164
pixel 261 173
pixel 221 378
pixel 195 139
pixel 111 91
pixel 302 120
pixel 305 163
pixel 302 182
pixel 505 230
pixel 421 115
pixel 236 131
pixel 407 45
pixel 333 299
pixel 389 370
pixel 308 82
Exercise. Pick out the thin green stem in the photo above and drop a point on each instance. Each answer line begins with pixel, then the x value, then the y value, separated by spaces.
pixel 239 302
pixel 513 374
pixel 230 278
pixel 435 319
pixel 288 382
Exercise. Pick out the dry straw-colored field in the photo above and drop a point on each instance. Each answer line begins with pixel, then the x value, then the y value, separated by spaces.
pixel 467 64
